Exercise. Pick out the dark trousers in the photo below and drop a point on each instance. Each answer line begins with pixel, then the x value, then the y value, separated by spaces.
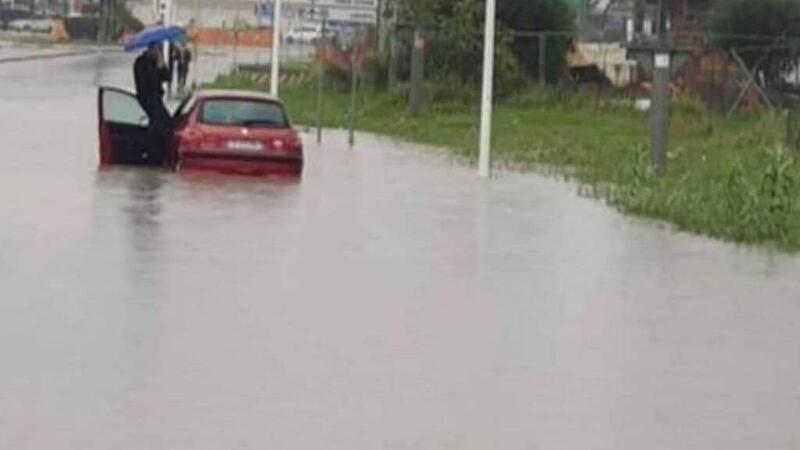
pixel 183 74
pixel 160 132
pixel 171 79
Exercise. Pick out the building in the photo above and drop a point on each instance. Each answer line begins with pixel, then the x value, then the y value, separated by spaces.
pixel 638 20
pixel 242 13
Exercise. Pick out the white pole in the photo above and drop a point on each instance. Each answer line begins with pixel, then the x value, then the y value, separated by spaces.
pixel 276 48
pixel 485 161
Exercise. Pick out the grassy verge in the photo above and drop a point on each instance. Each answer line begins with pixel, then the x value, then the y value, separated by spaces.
pixel 729 179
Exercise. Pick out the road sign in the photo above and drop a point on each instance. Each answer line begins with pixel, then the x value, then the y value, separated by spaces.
pixel 348 11
pixel 662 60
pixel 353 4
pixel 160 6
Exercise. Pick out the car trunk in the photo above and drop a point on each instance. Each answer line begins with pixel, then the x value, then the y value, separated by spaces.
pixel 253 141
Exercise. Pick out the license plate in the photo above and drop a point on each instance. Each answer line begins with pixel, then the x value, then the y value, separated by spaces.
pixel 245 146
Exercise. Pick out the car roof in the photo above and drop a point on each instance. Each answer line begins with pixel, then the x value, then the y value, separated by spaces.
pixel 204 94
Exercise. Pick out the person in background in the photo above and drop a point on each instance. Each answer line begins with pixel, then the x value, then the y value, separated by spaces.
pixel 172 63
pixel 184 65
pixel 150 73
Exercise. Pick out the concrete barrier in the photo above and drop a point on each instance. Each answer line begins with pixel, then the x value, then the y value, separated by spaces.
pixel 261 37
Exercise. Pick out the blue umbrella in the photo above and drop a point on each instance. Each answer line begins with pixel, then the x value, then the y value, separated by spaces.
pixel 154 35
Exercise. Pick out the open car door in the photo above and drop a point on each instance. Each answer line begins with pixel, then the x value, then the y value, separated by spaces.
pixel 123 129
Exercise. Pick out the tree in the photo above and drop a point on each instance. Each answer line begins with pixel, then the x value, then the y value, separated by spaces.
pixel 455 49
pixel 537 16
pixel 456 35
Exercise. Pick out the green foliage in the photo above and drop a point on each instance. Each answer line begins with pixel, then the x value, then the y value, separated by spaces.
pixel 750 202
pixel 89 25
pixel 742 23
pixel 455 36
pixel 539 15
pixel 82 27
pixel 455 55
pixel 128 21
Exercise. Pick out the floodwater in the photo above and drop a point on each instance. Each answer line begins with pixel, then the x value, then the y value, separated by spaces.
pixel 388 300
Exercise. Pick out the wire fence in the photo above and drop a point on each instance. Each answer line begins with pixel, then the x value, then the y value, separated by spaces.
pixel 440 70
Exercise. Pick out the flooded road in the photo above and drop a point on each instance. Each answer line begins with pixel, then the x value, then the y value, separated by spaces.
pixel 389 300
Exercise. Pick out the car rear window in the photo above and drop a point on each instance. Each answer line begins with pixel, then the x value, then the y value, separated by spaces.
pixel 243 113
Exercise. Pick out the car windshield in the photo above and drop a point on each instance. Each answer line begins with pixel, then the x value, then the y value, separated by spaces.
pixel 243 113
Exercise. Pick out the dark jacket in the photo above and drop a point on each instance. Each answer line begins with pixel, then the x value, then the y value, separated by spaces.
pixel 149 82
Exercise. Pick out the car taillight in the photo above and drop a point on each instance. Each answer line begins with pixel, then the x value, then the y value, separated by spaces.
pixel 278 145
pixel 284 145
pixel 293 145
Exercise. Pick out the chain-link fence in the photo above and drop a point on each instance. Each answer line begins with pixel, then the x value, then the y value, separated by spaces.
pixel 576 76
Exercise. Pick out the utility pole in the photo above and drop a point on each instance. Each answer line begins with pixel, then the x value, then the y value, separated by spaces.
pixel 659 108
pixel 542 59
pixel 484 159
pixel 381 28
pixel 638 18
pixel 112 19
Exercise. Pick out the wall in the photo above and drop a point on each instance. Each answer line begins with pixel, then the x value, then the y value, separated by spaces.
pixel 246 38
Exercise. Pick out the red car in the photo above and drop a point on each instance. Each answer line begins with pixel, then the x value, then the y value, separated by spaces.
pixel 239 132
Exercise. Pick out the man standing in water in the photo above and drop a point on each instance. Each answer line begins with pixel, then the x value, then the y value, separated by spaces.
pixel 150 72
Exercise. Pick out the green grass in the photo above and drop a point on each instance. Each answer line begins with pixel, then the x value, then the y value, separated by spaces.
pixel 727 178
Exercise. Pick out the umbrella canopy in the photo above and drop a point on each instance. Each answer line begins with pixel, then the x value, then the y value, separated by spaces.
pixel 154 35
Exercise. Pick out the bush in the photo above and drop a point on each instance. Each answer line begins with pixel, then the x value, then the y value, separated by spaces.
pixel 89 26
pixel 533 16
pixel 455 37
pixel 128 21
pixel 374 72
pixel 455 54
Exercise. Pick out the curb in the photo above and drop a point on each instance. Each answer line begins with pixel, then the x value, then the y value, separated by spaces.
pixel 48 56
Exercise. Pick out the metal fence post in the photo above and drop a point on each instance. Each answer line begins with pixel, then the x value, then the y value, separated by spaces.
pixel 542 59
pixel 235 49
pixel 392 81
pixel 354 86
pixel 321 60
pixel 416 92
pixel 320 93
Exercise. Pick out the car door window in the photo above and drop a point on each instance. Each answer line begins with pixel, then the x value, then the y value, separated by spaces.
pixel 122 108
pixel 184 108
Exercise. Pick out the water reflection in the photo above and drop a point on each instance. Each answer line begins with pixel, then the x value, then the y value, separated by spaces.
pixel 243 183
pixel 128 229
pixel 144 209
